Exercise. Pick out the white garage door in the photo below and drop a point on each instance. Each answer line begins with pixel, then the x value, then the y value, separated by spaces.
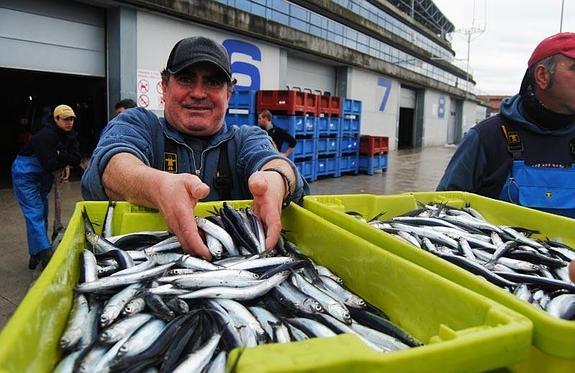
pixel 55 36
pixel 307 74
pixel 407 98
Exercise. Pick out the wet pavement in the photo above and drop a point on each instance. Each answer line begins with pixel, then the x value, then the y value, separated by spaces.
pixel 408 171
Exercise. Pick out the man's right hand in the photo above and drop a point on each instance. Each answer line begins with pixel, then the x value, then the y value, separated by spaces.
pixel 127 178
pixel 177 196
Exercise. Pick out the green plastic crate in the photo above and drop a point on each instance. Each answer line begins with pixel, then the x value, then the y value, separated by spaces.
pixel 463 331
pixel 553 339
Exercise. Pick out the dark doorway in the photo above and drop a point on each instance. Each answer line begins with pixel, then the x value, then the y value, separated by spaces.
pixel 406 128
pixel 30 97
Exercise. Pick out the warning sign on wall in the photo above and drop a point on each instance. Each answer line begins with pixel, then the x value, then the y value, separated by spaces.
pixel 149 90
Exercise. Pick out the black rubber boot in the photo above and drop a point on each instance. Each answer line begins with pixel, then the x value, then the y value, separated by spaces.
pixel 42 258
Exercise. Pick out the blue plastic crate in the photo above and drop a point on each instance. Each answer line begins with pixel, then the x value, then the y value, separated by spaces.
pixel 305 147
pixel 349 163
pixel 306 168
pixel 327 125
pixel 350 124
pixel 348 144
pixel 351 106
pixel 243 99
pixel 372 164
pixel 326 166
pixel 327 145
pixel 241 119
pixel 296 125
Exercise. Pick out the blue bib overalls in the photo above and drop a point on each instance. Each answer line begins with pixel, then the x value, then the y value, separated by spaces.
pixel 32 185
pixel 549 188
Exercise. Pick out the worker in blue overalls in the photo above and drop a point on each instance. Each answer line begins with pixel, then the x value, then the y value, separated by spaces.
pixel 52 148
pixel 525 154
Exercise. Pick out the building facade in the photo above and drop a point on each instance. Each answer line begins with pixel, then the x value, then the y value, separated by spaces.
pixel 394 56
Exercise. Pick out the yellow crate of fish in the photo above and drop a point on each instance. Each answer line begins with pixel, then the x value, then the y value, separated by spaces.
pixel 553 339
pixel 461 331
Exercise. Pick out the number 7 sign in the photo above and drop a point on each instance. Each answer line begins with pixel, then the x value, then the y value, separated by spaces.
pixel 386 84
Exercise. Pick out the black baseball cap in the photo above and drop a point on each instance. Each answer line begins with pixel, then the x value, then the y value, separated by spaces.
pixel 197 49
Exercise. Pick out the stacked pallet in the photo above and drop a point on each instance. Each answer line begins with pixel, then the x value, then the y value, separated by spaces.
pixel 373 153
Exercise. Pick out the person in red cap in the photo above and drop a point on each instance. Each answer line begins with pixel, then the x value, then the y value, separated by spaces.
pixel 50 149
pixel 525 154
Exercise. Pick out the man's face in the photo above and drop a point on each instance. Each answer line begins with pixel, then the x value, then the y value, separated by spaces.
pixel 559 96
pixel 196 99
pixel 262 121
pixel 119 110
pixel 65 124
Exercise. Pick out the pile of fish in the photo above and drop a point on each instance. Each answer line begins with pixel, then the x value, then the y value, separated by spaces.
pixel 141 303
pixel 534 270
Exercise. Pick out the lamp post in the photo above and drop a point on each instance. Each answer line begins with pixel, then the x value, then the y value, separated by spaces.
pixel 561 22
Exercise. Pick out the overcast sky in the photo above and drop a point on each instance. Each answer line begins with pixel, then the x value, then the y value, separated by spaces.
pixel 513 28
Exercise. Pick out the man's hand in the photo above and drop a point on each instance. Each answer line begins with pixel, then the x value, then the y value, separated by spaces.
pixel 268 190
pixel 177 196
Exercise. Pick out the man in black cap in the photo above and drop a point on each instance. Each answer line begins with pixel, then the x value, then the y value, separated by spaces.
pixel 124 105
pixel 525 154
pixel 172 163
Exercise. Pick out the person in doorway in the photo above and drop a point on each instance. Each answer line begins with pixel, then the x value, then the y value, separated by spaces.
pixel 279 135
pixel 124 104
pixel 172 163
pixel 50 149
pixel 525 154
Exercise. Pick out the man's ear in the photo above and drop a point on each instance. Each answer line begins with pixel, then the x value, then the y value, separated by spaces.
pixel 542 77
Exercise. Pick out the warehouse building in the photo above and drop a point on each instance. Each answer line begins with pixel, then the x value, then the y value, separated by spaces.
pixel 392 55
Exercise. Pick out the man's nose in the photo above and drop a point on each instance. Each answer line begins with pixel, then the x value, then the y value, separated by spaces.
pixel 198 90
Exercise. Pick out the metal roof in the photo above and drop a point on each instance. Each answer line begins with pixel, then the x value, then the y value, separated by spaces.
pixel 426 13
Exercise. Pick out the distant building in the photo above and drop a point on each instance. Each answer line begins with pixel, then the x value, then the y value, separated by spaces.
pixel 493 103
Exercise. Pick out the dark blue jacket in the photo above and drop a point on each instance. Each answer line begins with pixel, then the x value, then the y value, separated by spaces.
pixel 482 161
pixel 143 134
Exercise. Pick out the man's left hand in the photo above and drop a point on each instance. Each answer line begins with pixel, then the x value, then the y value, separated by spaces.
pixel 268 191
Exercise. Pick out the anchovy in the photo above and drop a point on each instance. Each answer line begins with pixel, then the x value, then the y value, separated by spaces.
pixel 89 266
pixel 331 305
pixel 562 306
pixel 341 293
pixel 141 339
pixel 246 293
pixel 115 281
pixel 124 328
pixel 226 277
pixel 197 360
pixel 382 340
pixel 170 243
pixel 218 233
pixel 74 328
pixel 214 245
pixel 311 327
pixel 298 299
pixel 237 228
pixel 108 219
pixel 273 326
pixel 117 303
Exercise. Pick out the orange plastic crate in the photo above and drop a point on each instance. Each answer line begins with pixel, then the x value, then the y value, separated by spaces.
pixel 288 102
pixel 329 105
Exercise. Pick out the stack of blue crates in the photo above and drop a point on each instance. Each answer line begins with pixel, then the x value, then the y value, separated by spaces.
pixel 303 129
pixel 242 108
pixel 327 142
pixel 349 129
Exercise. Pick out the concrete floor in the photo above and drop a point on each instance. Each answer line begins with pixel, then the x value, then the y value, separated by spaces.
pixel 408 171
